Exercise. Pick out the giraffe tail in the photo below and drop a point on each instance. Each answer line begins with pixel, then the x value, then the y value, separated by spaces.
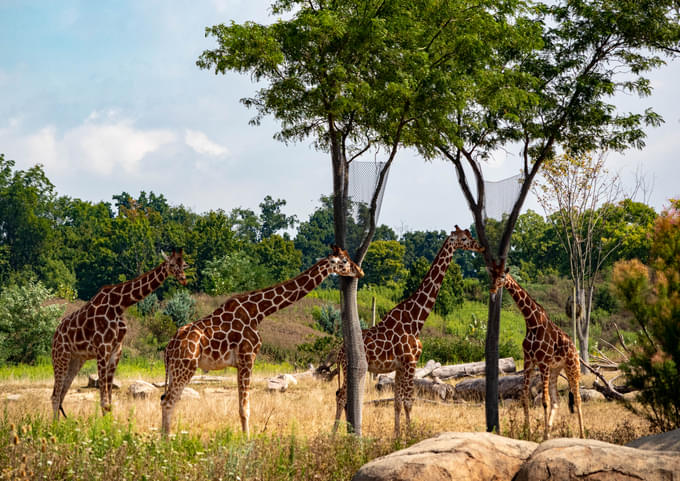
pixel 571 402
pixel 63 413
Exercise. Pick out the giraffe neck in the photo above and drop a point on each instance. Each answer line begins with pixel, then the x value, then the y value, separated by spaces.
pixel 421 302
pixel 278 296
pixel 530 309
pixel 135 290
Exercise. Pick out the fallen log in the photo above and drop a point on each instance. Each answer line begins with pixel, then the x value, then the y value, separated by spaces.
pixel 606 387
pixel 509 387
pixel 421 372
pixel 505 365
pixel 432 388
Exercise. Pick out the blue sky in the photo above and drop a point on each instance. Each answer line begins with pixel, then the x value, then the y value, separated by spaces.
pixel 108 98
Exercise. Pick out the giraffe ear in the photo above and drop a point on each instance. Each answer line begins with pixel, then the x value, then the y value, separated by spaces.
pixel 164 255
pixel 507 269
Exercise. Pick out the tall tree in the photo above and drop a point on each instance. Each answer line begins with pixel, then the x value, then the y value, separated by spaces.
pixel 580 195
pixel 652 294
pixel 549 87
pixel 351 75
pixel 26 226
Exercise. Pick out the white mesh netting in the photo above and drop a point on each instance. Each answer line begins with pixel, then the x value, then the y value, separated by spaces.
pixel 500 196
pixel 363 181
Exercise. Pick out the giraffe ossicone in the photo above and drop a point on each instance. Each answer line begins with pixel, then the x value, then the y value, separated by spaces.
pixel 229 336
pixel 548 348
pixel 97 329
pixel 393 344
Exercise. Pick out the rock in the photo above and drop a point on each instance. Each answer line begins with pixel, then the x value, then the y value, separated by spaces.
pixel 141 389
pixel 93 382
pixel 189 393
pixel 459 456
pixel 281 382
pixel 588 395
pixel 581 459
pixel 207 379
pixel 12 397
pixel 669 441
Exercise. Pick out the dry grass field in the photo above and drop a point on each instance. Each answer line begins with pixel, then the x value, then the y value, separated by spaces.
pixel 307 409
pixel 290 431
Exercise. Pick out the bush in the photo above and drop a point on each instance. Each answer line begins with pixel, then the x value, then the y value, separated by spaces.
pixel 181 307
pixel 26 324
pixel 148 306
pixel 317 351
pixel 465 346
pixel 328 319
pixel 235 272
pixel 652 294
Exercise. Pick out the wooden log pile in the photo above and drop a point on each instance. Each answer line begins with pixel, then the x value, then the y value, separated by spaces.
pixel 428 381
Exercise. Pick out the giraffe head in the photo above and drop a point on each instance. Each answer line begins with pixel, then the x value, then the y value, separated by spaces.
pixel 498 277
pixel 462 239
pixel 342 265
pixel 176 265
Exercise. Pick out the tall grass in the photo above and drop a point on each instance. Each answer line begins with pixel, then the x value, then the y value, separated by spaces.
pixel 290 432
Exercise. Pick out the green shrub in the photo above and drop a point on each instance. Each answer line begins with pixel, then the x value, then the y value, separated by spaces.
pixel 234 272
pixel 652 294
pixel 149 305
pixel 26 324
pixel 181 307
pixel 328 319
pixel 317 351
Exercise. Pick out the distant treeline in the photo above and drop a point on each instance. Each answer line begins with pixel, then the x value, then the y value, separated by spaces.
pixel 74 247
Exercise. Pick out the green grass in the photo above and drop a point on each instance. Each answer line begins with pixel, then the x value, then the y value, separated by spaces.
pixel 127 369
pixel 98 449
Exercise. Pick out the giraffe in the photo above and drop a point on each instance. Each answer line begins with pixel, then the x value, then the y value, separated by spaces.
pixel 393 344
pixel 96 330
pixel 229 336
pixel 548 348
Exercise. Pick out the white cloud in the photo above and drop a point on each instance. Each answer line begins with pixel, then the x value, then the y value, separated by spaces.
pixel 101 145
pixel 108 146
pixel 202 144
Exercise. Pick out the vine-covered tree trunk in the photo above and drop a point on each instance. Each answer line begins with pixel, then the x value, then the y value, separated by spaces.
pixel 491 351
pixel 356 357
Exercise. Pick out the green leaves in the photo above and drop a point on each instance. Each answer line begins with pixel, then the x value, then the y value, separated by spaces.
pixel 26 323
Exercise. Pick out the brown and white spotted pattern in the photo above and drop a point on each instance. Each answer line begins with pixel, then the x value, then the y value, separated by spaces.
pixel 548 348
pixel 393 344
pixel 229 337
pixel 96 331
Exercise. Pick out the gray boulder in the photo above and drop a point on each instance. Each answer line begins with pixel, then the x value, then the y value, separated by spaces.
pixel 669 441
pixel 583 459
pixel 141 389
pixel 460 456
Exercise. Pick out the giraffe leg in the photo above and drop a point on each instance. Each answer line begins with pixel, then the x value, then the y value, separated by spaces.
pixel 73 369
pixel 179 373
pixel 574 375
pixel 103 359
pixel 554 398
pixel 60 363
pixel 398 399
pixel 245 369
pixel 545 380
pixel 341 393
pixel 528 373
pixel 408 382
pixel 111 370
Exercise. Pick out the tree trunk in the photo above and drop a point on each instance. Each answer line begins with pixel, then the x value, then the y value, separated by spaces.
pixel 584 325
pixel 491 350
pixel 354 349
